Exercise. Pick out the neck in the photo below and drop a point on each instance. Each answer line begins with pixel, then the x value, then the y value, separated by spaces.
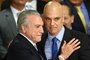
pixel 18 7
pixel 79 4
pixel 29 0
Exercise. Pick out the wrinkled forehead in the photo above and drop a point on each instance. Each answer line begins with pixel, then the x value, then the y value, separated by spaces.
pixel 35 18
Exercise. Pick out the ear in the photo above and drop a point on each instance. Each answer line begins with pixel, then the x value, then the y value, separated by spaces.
pixel 72 18
pixel 23 29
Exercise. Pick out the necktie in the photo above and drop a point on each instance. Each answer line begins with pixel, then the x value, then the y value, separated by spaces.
pixel 54 48
pixel 80 13
pixel 18 14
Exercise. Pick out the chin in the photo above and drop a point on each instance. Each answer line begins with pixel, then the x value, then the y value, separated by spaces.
pixel 39 39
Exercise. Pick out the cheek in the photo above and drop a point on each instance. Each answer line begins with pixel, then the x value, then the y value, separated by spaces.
pixel 33 36
pixel 37 36
pixel 34 32
pixel 47 23
pixel 47 26
pixel 60 22
pixel 68 21
pixel 59 25
pixel 65 22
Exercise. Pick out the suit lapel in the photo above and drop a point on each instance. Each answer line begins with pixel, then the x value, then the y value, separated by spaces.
pixel 41 45
pixel 87 7
pixel 11 22
pixel 67 37
pixel 29 46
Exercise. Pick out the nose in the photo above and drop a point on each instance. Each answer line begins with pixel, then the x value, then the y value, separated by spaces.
pixel 52 22
pixel 42 31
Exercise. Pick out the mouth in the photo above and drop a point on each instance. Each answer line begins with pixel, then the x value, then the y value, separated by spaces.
pixel 39 35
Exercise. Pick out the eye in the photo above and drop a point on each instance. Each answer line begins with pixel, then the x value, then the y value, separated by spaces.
pixel 37 26
pixel 65 18
pixel 57 18
pixel 46 18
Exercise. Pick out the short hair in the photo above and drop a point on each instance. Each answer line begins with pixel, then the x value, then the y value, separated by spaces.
pixel 22 18
pixel 70 10
pixel 6 4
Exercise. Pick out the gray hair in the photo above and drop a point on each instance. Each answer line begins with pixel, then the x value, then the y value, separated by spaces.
pixel 22 18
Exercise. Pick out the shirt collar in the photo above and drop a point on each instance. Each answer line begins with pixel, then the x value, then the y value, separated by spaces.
pixel 34 44
pixel 59 35
pixel 83 5
pixel 15 11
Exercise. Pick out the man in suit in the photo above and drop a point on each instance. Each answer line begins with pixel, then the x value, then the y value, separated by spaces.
pixel 78 24
pixel 54 28
pixel 8 24
pixel 68 16
pixel 23 47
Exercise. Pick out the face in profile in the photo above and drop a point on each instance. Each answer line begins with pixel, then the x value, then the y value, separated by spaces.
pixel 53 18
pixel 34 29
pixel 68 18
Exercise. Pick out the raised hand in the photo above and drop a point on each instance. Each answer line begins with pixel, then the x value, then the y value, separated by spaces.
pixel 68 48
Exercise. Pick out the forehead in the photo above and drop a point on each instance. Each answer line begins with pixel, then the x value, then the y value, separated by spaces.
pixel 53 11
pixel 35 18
pixel 65 9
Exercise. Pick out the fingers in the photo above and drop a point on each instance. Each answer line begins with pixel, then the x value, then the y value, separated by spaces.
pixel 70 47
pixel 76 48
pixel 64 44
pixel 75 44
pixel 69 43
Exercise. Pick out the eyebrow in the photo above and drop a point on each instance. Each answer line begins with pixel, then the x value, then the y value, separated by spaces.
pixel 53 18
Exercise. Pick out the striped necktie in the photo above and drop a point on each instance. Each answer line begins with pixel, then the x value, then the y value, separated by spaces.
pixel 54 48
pixel 80 13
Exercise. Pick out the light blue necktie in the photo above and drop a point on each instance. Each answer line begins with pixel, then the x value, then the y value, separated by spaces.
pixel 54 48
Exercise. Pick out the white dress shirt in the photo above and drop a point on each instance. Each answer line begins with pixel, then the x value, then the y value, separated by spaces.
pixel 34 44
pixel 48 44
pixel 31 5
pixel 15 13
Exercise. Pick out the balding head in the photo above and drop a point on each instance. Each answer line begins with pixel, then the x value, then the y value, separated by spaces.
pixel 52 3
pixel 52 6
pixel 53 17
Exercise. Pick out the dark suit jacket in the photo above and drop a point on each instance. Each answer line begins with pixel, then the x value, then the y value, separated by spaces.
pixel 40 6
pixel 77 25
pixel 22 49
pixel 8 30
pixel 82 54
